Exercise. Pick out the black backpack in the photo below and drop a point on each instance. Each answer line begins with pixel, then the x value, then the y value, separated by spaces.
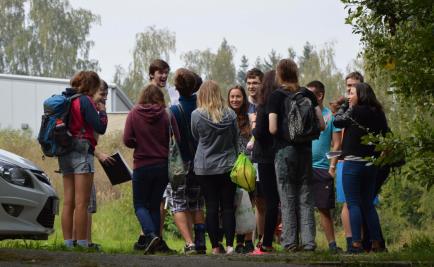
pixel 299 124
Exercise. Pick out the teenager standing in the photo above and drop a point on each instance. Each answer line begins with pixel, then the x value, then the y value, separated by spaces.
pixel 214 127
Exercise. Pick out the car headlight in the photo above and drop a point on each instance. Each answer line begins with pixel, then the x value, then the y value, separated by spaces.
pixel 16 176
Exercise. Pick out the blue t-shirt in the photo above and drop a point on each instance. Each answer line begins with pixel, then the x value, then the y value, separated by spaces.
pixel 322 145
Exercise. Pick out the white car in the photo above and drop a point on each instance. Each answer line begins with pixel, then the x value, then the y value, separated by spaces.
pixel 28 202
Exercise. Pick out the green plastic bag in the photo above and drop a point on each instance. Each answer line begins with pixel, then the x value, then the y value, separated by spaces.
pixel 244 173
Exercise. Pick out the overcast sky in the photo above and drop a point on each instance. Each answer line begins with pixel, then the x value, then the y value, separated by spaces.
pixel 254 27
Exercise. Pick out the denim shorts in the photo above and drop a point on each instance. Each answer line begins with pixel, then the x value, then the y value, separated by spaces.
pixel 79 160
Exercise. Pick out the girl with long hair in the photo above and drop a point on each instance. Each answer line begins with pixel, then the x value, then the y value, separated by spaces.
pixel 147 132
pixel 360 115
pixel 263 154
pixel 293 163
pixel 214 127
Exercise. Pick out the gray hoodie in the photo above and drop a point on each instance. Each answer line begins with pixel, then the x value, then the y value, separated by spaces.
pixel 217 142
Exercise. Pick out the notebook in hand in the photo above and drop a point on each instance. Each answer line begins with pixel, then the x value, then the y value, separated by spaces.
pixel 119 172
pixel 333 154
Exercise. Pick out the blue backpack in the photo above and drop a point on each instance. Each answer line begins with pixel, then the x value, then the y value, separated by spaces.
pixel 54 136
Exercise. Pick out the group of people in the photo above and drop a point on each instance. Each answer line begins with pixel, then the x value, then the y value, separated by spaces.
pixel 211 130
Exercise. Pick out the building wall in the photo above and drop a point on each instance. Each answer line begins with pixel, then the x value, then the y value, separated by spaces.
pixel 22 97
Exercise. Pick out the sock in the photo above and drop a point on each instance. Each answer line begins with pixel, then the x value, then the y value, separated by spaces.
pixel 68 243
pixel 349 242
pixel 240 239
pixel 249 242
pixel 83 243
pixel 332 244
pixel 199 234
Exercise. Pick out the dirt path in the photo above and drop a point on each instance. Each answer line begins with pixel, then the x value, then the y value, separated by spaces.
pixel 31 257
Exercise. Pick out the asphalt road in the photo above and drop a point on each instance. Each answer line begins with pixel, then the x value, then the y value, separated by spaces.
pixel 32 257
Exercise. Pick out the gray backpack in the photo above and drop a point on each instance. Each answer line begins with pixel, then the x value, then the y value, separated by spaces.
pixel 299 123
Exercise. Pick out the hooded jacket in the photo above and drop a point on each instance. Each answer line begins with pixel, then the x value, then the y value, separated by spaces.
pixel 84 119
pixel 147 131
pixel 217 142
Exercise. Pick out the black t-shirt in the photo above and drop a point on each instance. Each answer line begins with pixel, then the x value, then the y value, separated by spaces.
pixel 275 104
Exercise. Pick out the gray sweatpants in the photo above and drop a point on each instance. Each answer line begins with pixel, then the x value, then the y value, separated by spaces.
pixel 293 166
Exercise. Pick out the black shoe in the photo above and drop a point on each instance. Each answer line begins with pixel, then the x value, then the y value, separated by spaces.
pixel 190 249
pixel 239 249
pixel 151 243
pixel 355 250
pixel 163 248
pixel 335 250
pixel 222 249
pixel 140 244
pixel 201 249
pixel 95 246
pixel 248 247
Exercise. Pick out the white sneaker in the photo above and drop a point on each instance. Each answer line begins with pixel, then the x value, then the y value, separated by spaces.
pixel 229 250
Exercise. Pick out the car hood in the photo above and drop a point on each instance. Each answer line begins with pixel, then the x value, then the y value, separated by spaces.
pixel 14 159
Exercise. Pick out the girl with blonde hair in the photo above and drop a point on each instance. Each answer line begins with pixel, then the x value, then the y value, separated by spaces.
pixel 214 126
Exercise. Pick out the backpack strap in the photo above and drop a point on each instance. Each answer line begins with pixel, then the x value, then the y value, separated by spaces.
pixel 68 112
pixel 190 137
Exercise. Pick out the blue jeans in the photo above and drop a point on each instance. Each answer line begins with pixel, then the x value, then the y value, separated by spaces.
pixel 293 165
pixel 149 183
pixel 359 183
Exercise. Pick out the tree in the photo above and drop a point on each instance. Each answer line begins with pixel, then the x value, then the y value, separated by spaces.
pixel 397 36
pixel 291 53
pixel 308 52
pixel 242 71
pixel 199 61
pixel 258 64
pixel 321 66
pixel 51 40
pixel 272 61
pixel 150 44
pixel 397 39
pixel 223 68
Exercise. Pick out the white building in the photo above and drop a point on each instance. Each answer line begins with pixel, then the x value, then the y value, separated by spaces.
pixel 22 98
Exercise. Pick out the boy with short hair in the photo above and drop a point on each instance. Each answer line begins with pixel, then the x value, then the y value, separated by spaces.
pixel 323 170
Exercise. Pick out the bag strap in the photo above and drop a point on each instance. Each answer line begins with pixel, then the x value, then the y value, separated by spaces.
pixel 190 137
pixel 169 116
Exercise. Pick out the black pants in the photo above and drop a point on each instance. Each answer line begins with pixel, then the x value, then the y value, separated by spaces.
pixel 267 175
pixel 219 193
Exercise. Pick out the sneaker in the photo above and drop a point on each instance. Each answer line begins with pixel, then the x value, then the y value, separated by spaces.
pixel 259 244
pixel 335 250
pixel 140 244
pixel 151 243
pixel 248 247
pixel 229 250
pixel 163 248
pixel 261 251
pixel 95 246
pixel 355 250
pixel 222 249
pixel 291 248
pixel 190 249
pixel 309 248
pixel 239 249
